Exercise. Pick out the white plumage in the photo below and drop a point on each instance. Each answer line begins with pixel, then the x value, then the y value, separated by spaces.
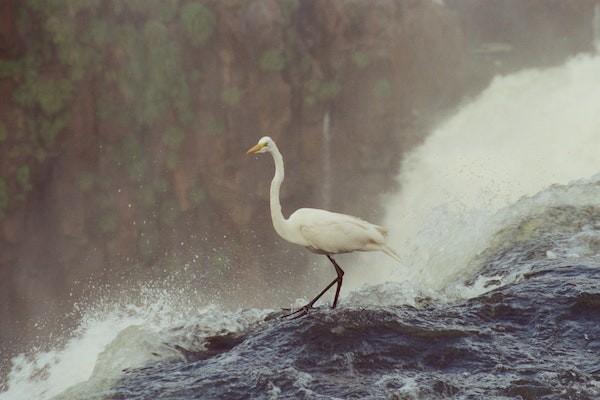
pixel 320 231
pixel 326 232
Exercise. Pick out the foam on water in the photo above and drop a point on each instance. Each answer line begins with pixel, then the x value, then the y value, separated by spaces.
pixel 114 336
pixel 466 182
pixel 527 131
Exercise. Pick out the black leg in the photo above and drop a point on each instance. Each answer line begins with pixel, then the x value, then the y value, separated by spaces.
pixel 339 280
pixel 340 274
pixel 303 310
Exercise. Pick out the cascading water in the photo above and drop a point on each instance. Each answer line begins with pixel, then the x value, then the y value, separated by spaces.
pixel 524 133
pixel 116 335
pixel 498 224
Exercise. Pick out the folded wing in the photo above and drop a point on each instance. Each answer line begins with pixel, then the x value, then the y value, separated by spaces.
pixel 331 233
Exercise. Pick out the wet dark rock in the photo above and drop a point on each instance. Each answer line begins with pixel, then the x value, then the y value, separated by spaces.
pixel 534 338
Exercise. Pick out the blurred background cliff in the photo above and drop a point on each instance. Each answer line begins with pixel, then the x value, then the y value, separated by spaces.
pixel 124 125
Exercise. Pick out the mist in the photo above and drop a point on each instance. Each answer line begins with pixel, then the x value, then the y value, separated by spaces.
pixel 491 154
pixel 124 125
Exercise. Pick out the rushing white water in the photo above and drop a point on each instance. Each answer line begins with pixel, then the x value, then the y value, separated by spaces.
pixel 524 133
pixel 115 336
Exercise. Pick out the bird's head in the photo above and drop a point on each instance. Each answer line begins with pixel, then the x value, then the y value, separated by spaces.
pixel 265 144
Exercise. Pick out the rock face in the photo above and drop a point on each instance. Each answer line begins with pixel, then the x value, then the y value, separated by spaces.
pixel 123 127
pixel 505 35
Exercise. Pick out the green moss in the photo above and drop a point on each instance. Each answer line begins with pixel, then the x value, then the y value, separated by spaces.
pixel 24 96
pixel 40 154
pixel 288 8
pixel 107 222
pixel 136 169
pixel 160 185
pixel 173 137
pixel 49 128
pixel 23 21
pixel 18 151
pixel 79 59
pixel 72 39
pixel 198 22
pixel 306 64
pixel 310 100
pixel 231 96
pixel 152 106
pixel 360 59
pixel 164 10
pixel 3 132
pixel 24 178
pixel 272 60
pixel 172 160
pixel 382 88
pixel 62 30
pixel 67 8
pixel 86 181
pixel 214 126
pixel 328 90
pixel 105 183
pixel 168 213
pixel 98 33
pixel 131 149
pixel 107 109
pixel 50 95
pixel 119 7
pixel 147 196
pixel 9 69
pixel 65 35
pixel 320 91
pixel 138 6
pixel 155 34
pixel 104 200
pixel 185 114
pixel 181 97
pixel 195 76
pixel 153 79
pixel 197 195
pixel 131 154
pixel 36 5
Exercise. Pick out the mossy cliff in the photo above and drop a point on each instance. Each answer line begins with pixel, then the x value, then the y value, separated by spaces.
pixel 123 126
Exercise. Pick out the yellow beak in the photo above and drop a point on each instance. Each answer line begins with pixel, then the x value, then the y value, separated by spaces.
pixel 254 149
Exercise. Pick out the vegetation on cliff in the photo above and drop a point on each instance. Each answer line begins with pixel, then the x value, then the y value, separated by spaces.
pixel 123 125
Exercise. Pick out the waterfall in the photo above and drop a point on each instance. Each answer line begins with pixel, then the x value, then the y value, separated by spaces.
pixel 525 132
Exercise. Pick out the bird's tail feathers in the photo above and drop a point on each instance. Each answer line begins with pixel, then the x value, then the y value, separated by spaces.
pixel 388 250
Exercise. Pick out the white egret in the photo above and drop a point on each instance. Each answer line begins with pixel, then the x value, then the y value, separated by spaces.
pixel 320 231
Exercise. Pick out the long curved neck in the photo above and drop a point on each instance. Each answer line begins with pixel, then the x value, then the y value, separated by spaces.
pixel 278 220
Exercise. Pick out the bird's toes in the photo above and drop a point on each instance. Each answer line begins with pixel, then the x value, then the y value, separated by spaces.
pixel 301 314
pixel 297 313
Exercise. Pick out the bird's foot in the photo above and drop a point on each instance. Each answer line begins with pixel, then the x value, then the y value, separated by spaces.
pixel 299 312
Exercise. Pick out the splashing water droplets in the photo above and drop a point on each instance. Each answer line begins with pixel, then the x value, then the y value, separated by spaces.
pixel 524 133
